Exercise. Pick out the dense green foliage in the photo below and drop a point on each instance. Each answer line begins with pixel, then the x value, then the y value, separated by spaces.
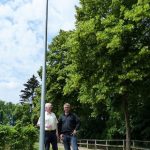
pixel 13 113
pixel 16 129
pixel 6 113
pixel 17 137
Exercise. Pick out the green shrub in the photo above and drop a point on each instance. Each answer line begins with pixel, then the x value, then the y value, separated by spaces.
pixel 30 133
pixel 17 137
pixel 4 134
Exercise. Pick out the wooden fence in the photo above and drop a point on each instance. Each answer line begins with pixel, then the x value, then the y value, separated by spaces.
pixel 113 144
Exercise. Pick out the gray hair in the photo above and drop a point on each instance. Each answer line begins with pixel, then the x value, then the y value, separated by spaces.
pixel 48 105
pixel 67 104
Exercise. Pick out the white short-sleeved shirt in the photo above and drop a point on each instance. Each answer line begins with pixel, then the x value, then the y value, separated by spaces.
pixel 50 120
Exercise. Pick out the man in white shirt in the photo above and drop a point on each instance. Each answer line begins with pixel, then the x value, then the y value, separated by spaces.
pixel 51 131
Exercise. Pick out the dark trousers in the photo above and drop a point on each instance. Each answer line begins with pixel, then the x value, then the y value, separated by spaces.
pixel 70 140
pixel 51 138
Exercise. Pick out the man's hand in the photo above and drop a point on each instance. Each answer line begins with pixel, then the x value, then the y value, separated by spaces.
pixel 61 137
pixel 48 126
pixel 74 132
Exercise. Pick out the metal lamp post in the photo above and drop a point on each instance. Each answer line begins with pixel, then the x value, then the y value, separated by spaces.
pixel 43 93
pixel 31 104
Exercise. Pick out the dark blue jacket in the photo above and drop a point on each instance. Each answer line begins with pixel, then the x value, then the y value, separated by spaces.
pixel 68 123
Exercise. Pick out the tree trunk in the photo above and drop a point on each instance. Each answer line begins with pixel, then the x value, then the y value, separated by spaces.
pixel 127 122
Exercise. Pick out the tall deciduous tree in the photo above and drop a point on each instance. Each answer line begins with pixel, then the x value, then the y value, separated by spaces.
pixel 57 62
pixel 110 50
pixel 60 67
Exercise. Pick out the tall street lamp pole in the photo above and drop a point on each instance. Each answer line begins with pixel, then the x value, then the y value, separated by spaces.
pixel 43 93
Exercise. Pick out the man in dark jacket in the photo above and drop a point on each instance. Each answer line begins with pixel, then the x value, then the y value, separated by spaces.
pixel 68 125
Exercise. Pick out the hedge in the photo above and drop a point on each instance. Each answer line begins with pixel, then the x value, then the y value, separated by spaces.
pixel 17 137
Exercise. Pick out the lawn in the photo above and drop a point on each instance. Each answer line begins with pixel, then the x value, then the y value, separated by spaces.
pixel 36 146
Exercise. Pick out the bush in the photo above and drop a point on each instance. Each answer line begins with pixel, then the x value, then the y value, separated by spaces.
pixel 18 137
pixel 30 133
pixel 4 134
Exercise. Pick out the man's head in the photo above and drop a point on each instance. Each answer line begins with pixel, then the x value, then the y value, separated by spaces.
pixel 67 108
pixel 48 107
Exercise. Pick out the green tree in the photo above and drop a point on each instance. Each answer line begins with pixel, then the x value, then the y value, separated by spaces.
pixel 1 116
pixel 110 51
pixel 57 61
pixel 6 111
pixel 22 114
pixel 28 93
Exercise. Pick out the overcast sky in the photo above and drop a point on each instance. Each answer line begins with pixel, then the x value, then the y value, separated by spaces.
pixel 22 25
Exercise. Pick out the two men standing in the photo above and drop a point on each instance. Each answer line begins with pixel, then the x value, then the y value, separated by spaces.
pixel 68 125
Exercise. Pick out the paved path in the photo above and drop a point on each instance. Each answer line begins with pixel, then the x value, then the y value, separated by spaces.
pixel 80 148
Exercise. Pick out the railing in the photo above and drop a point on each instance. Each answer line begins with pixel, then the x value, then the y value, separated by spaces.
pixel 113 144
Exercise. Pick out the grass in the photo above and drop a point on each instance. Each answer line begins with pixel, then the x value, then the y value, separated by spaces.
pixel 36 146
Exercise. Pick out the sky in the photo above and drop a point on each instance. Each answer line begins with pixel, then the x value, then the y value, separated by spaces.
pixel 22 31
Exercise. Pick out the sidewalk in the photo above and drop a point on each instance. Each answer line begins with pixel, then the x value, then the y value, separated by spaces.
pixel 60 145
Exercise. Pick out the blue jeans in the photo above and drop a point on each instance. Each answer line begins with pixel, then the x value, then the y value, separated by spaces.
pixel 70 140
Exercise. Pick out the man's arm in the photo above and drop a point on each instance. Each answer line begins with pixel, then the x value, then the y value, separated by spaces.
pixel 77 120
pixel 77 123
